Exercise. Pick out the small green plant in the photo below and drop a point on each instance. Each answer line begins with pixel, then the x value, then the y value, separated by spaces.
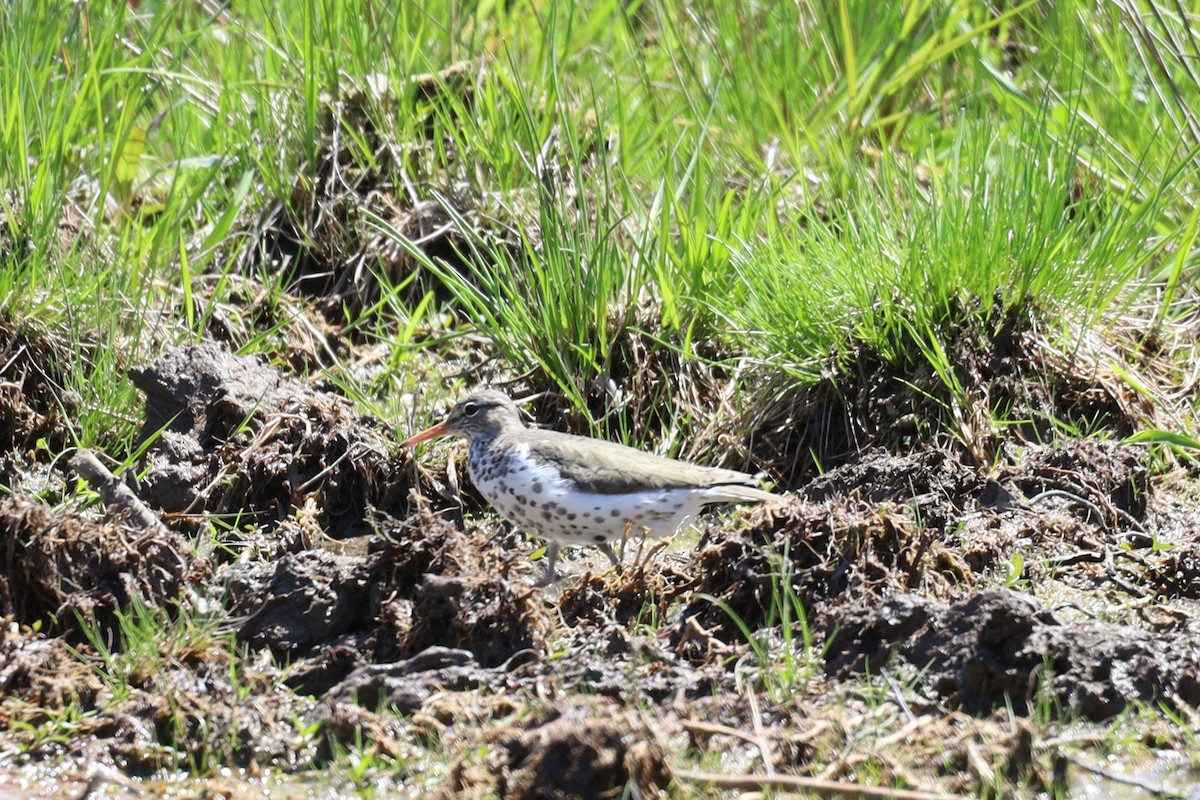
pixel 147 642
pixel 1047 706
pixel 785 665
pixel 1182 444
pixel 146 651
pixel 41 731
pixel 646 622
pixel 1014 572
pixel 147 639
pixel 361 762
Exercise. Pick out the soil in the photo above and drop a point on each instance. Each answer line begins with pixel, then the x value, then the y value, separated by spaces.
pixel 331 608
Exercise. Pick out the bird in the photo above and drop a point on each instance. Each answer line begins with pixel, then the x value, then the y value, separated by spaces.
pixel 576 490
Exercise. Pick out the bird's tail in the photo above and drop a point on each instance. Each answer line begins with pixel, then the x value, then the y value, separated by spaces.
pixel 737 493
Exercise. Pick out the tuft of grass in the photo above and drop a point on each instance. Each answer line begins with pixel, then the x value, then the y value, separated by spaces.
pixel 148 642
pixel 999 228
pixel 786 179
pixel 785 664
pixel 43 731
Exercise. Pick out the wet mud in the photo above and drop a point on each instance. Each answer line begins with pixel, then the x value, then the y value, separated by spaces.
pixel 325 605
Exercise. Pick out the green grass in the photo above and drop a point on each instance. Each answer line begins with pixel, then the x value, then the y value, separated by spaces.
pixel 841 178
pixel 148 641
pixel 146 654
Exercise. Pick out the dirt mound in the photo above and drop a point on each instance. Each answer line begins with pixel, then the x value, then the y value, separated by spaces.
pixel 1105 479
pixel 876 556
pixel 1001 647
pixel 183 701
pixel 886 524
pixel 55 565
pixel 322 242
pixel 189 712
pixel 453 589
pixel 803 553
pixel 35 410
pixel 423 584
pixel 298 601
pixel 43 673
pixel 934 483
pixel 576 751
pixel 1003 372
pixel 33 404
pixel 646 586
pixel 242 442
pixel 405 686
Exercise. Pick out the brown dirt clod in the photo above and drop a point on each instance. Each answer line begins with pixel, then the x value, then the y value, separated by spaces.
pixel 55 564
pixel 563 754
pixel 1000 646
pixel 244 441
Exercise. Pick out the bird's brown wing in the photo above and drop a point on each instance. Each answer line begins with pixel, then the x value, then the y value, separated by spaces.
pixel 605 467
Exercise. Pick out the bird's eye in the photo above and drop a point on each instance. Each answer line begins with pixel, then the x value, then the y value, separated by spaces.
pixel 470 409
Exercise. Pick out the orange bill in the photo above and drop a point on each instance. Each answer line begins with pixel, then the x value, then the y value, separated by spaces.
pixel 425 435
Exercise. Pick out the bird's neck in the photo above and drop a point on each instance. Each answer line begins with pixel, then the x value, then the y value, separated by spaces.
pixel 492 441
pixel 484 443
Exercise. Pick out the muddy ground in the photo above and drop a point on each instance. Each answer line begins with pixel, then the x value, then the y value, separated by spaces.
pixel 337 596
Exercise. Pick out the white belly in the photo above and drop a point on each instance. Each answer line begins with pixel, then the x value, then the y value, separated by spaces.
pixel 538 501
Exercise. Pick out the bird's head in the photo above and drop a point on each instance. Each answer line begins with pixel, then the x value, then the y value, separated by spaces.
pixel 482 414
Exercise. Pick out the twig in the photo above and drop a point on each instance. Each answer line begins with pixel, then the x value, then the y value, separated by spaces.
pixel 1129 588
pixel 764 747
pixel 716 729
pixel 1128 780
pixel 1078 557
pixel 1072 739
pixel 1088 504
pixel 901 734
pixel 1187 709
pixel 899 695
pixel 758 740
pixel 982 770
pixel 115 494
pixel 102 776
pixel 1117 512
pixel 817 786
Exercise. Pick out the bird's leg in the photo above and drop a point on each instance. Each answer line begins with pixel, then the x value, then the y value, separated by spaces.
pixel 550 575
pixel 606 548
pixel 625 537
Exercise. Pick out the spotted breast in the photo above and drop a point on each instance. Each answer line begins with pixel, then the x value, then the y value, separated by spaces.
pixel 538 498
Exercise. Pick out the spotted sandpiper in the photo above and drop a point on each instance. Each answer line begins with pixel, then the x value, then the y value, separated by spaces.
pixel 576 490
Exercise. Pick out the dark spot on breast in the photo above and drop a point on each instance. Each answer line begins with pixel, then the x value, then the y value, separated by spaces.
pixel 616 512
pixel 537 487
pixel 599 538
pixel 599 520
pixel 533 503
pixel 572 515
